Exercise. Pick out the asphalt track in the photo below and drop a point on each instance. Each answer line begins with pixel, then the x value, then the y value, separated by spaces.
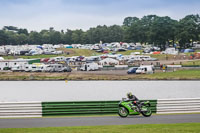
pixel 95 121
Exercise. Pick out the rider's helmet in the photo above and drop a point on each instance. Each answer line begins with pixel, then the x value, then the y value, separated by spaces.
pixel 129 95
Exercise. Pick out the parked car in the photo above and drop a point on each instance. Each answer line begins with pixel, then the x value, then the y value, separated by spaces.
pixel 132 70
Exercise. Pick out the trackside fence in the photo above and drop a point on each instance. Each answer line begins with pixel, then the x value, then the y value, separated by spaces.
pixel 20 109
pixel 184 105
pixel 83 107
pixel 65 108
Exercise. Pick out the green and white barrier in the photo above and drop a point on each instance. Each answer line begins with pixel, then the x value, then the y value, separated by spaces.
pixel 40 109
pixel 20 109
pixel 178 105
pixel 83 107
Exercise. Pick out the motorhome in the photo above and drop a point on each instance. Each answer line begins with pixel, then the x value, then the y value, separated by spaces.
pixel 145 70
pixel 89 67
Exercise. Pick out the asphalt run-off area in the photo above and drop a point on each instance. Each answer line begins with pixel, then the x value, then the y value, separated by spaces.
pixel 95 121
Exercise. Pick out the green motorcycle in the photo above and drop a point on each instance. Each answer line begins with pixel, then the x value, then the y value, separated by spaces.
pixel 126 108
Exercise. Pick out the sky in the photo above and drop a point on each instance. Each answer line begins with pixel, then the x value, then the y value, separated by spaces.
pixel 84 14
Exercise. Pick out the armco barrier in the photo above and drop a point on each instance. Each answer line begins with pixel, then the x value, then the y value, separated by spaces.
pixel 39 109
pixel 83 107
pixel 20 109
pixel 186 105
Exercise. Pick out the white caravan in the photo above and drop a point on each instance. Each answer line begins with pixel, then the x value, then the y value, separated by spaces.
pixel 35 67
pixel 17 68
pixel 60 68
pixel 89 67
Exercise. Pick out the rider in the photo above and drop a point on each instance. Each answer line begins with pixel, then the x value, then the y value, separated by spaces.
pixel 133 98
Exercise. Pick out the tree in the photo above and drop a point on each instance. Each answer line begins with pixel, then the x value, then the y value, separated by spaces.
pixel 55 37
pixel 3 37
pixel 188 30
pixel 163 30
pixel 35 38
pixel 67 38
pixel 23 31
pixel 150 29
pixel 11 38
pixel 10 28
pixel 22 39
pixel 128 21
pixel 134 33
pixel 76 36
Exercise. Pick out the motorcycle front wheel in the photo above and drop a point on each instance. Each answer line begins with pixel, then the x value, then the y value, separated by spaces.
pixel 123 112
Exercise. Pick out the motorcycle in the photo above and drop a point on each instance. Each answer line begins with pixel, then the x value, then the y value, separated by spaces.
pixel 127 107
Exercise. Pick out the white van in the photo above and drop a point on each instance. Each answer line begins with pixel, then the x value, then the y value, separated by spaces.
pixel 145 70
pixel 89 67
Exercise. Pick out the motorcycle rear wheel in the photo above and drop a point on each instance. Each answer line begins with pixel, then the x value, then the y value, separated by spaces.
pixel 123 112
pixel 147 113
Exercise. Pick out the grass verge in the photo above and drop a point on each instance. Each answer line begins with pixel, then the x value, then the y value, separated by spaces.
pixel 177 75
pixel 141 128
pixel 191 63
pixel 67 53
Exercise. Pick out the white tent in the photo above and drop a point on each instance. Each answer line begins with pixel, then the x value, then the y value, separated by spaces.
pixel 1 58
pixel 109 61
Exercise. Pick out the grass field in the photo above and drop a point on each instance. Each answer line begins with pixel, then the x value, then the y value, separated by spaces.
pixel 180 74
pixel 70 53
pixel 191 63
pixel 141 128
pixel 177 75
pixel 67 53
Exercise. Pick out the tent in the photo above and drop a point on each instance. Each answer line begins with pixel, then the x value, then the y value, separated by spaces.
pixel 188 50
pixel 109 62
pixel 1 58
pixel 40 47
pixel 69 47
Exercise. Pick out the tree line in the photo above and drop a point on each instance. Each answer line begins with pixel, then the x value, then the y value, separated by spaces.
pixel 150 29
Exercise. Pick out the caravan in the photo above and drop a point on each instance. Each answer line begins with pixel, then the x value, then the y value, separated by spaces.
pixel 35 67
pixel 60 68
pixel 17 68
pixel 89 67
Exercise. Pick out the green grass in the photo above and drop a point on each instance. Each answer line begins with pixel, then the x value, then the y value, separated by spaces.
pixel 191 63
pixel 31 57
pixel 72 52
pixel 79 52
pixel 140 128
pixel 180 74
pixel 177 75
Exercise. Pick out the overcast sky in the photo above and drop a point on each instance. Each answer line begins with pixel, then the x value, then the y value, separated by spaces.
pixel 83 14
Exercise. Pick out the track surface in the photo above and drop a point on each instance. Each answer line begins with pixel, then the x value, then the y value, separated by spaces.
pixel 94 121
